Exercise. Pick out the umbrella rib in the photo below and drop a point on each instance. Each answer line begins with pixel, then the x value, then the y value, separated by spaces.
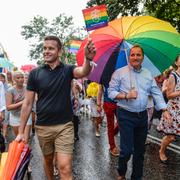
pixel 135 29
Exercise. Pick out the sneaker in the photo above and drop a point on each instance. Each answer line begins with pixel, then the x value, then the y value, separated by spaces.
pixel 114 151
pixel 98 134
pixel 56 172
pixel 29 170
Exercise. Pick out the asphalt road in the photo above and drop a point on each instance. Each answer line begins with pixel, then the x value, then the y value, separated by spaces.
pixel 92 160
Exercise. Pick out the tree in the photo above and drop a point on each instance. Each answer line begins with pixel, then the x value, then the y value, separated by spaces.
pixel 167 10
pixel 118 7
pixel 61 26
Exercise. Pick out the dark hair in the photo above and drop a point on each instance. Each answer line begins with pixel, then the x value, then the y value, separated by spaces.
pixel 54 38
pixel 174 65
pixel 137 46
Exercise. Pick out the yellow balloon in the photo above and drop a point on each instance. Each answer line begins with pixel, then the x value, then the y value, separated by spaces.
pixel 92 89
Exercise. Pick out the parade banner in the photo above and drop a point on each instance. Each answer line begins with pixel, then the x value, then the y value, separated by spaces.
pixel 95 17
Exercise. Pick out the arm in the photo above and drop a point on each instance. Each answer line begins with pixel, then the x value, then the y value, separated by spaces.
pixel 9 102
pixel 164 86
pixel 171 93
pixel 99 95
pixel 90 52
pixel 99 98
pixel 159 102
pixel 25 112
pixel 113 90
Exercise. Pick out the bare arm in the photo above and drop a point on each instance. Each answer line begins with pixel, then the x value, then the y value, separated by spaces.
pixel 99 95
pixel 26 109
pixel 84 70
pixel 9 102
pixel 171 93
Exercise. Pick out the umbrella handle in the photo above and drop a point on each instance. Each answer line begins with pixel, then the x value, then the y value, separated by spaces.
pixel 93 64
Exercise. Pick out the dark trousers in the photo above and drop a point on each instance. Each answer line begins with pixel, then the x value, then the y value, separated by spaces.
pixel 133 132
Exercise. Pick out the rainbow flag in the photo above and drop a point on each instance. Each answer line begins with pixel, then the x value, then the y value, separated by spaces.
pixel 74 46
pixel 95 17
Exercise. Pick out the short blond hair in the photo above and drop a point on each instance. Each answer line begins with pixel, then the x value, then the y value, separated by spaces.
pixel 15 73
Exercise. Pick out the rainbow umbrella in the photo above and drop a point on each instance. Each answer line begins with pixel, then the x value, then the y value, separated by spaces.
pixel 4 63
pixel 159 40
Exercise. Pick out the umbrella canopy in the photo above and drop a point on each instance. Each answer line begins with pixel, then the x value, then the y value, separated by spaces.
pixel 4 63
pixel 159 40
pixel 28 67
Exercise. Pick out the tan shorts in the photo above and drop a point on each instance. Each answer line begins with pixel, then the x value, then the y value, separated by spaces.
pixel 56 138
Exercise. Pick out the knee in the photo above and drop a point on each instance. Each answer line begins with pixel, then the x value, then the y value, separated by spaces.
pixel 65 170
pixel 171 138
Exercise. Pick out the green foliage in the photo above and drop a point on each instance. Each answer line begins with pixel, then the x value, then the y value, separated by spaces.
pixel 118 7
pixel 61 26
pixel 167 10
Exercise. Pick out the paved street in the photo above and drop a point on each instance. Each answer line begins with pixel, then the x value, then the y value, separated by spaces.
pixel 92 160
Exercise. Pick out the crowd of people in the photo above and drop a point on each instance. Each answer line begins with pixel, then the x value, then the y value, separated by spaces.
pixel 52 97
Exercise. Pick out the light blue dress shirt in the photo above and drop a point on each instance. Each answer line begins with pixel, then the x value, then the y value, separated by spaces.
pixel 125 78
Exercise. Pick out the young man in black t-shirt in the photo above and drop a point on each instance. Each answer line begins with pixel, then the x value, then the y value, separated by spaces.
pixel 52 83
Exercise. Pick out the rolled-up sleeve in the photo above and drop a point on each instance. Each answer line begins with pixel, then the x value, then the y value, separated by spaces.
pixel 157 96
pixel 114 84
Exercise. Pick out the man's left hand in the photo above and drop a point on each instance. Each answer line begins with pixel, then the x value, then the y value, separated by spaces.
pixel 90 50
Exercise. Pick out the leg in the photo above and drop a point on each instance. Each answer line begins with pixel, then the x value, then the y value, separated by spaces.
pixel 126 126
pixel 5 129
pixel 97 122
pixel 109 109
pixel 140 134
pixel 164 144
pixel 64 144
pixel 15 129
pixel 48 165
pixel 46 136
pixel 65 166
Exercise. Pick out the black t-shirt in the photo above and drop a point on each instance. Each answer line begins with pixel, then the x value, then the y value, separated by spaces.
pixel 53 88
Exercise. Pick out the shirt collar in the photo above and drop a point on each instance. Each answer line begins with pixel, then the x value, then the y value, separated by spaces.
pixel 135 70
pixel 46 66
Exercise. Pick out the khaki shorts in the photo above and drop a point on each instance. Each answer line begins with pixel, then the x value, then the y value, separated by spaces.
pixel 56 138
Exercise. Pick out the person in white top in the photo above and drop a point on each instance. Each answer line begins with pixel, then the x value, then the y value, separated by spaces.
pixel 2 101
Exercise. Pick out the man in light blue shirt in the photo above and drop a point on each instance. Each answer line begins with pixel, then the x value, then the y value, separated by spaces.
pixel 130 87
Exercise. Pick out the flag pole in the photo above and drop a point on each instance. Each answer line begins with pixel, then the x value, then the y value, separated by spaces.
pixel 130 75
